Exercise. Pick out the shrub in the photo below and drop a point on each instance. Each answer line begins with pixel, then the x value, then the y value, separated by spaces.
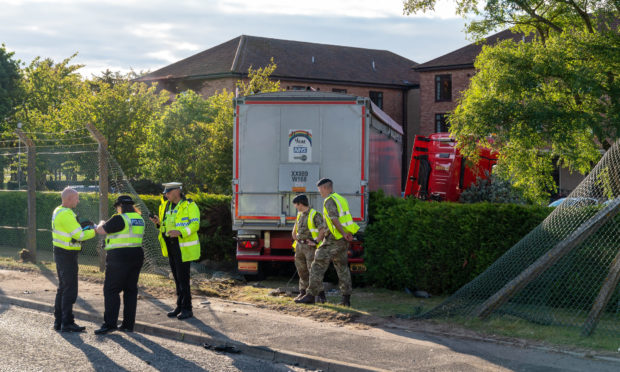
pixel 439 247
pixel 215 220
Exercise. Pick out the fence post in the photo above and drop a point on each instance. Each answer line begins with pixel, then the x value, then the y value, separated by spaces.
pixel 548 259
pixel 604 295
pixel 31 234
pixel 103 186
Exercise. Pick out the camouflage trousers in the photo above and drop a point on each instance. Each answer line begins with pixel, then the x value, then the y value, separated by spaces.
pixel 331 251
pixel 304 256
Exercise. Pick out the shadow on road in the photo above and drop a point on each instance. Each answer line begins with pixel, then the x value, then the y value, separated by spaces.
pixel 52 277
pixel 197 323
pixel 98 360
pixel 153 354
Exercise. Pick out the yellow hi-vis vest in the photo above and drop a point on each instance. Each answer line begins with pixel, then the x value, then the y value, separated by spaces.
pixel 130 236
pixel 344 216
pixel 185 217
pixel 314 231
pixel 66 227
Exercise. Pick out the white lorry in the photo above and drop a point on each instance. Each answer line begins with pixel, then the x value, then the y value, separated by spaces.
pixel 283 143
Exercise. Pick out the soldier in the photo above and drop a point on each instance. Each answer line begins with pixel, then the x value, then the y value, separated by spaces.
pixel 335 239
pixel 305 233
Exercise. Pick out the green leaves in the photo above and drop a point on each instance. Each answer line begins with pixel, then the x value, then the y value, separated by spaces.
pixel 541 102
pixel 10 89
pixel 439 247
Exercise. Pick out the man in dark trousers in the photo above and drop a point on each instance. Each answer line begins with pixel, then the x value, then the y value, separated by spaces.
pixel 124 260
pixel 67 237
pixel 178 222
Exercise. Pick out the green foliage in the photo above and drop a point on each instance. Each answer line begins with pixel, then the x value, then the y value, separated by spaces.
pixel 556 96
pixel 493 190
pixel 192 141
pixel 525 15
pixel 258 81
pixel 532 96
pixel 215 221
pixel 10 88
pixel 119 109
pixel 439 247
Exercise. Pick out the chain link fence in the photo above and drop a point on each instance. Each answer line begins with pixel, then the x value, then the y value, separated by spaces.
pixel 565 272
pixel 78 159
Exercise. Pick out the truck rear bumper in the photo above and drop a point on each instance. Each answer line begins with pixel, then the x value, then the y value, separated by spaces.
pixel 282 258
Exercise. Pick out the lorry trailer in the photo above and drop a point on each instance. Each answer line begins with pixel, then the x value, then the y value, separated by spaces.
pixel 283 143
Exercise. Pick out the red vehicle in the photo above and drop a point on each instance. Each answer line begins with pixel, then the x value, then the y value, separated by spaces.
pixel 438 171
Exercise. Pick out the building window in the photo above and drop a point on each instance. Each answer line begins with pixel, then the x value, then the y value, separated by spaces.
pixel 339 90
pixel 298 87
pixel 443 87
pixel 377 98
pixel 441 124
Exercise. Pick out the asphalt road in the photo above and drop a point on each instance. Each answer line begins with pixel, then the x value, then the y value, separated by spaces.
pixel 28 343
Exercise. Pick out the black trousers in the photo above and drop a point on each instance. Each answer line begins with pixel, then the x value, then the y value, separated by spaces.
pixel 180 272
pixel 66 295
pixel 122 270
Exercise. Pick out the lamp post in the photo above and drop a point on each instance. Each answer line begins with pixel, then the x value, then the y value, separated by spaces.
pixel 19 159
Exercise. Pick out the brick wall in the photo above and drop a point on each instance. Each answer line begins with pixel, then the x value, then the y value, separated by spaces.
pixel 429 107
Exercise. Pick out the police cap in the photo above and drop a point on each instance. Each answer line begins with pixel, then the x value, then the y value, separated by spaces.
pixel 123 199
pixel 171 186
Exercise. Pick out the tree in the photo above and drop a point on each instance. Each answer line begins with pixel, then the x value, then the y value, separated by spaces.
pixel 543 17
pixel 555 98
pixel 10 88
pixel 121 110
pixel 192 142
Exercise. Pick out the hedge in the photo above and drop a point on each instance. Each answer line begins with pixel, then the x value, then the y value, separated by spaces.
pixel 439 247
pixel 215 220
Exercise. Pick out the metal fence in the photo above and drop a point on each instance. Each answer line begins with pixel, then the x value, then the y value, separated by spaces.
pixel 565 272
pixel 35 167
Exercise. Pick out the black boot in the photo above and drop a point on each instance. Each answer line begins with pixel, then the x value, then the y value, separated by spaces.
pixel 185 314
pixel 302 292
pixel 307 299
pixel 346 301
pixel 321 299
pixel 174 313
pixel 105 328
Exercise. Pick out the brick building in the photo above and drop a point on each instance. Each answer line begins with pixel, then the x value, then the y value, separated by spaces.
pixel 387 78
pixel 442 81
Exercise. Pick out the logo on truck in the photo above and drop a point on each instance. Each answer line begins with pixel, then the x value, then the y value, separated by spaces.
pixel 299 145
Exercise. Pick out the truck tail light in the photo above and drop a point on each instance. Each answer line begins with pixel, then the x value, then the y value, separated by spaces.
pixel 355 250
pixel 247 242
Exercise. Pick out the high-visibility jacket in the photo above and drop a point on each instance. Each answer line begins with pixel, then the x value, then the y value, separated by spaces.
pixel 344 216
pixel 66 227
pixel 314 230
pixel 130 236
pixel 185 217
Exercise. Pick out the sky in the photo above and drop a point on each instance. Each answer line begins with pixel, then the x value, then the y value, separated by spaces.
pixel 144 35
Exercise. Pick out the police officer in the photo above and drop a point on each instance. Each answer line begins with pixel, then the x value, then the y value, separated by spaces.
pixel 124 260
pixel 178 222
pixel 305 233
pixel 67 235
pixel 339 232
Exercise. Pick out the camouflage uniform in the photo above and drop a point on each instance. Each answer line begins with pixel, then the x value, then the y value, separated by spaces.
pixel 331 250
pixel 304 253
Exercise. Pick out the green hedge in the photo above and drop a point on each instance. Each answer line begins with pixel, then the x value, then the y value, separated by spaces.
pixel 215 220
pixel 439 247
